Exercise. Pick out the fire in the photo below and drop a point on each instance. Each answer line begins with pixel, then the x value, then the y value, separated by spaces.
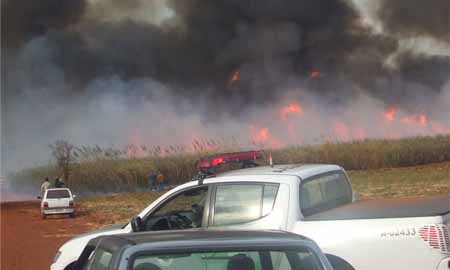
pixel 419 120
pixel 235 77
pixel 315 75
pixel 263 137
pixel 423 120
pixel 291 109
pixel 341 131
pixel 391 114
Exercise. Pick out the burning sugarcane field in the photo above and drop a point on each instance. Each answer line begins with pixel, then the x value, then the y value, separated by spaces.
pixel 234 135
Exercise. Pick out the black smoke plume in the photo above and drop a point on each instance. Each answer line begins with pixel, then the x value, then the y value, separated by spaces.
pixel 59 53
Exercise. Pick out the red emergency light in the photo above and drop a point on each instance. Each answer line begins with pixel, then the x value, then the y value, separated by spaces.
pixel 238 157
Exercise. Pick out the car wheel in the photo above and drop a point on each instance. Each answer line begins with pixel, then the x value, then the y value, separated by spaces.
pixel 339 263
pixel 70 266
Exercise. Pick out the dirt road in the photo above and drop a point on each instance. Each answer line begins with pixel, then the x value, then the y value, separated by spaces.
pixel 28 241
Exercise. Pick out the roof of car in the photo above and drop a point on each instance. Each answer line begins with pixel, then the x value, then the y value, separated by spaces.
pixel 51 189
pixel 301 170
pixel 200 238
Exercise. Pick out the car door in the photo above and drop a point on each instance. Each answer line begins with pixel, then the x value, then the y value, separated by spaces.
pixel 249 205
pixel 186 209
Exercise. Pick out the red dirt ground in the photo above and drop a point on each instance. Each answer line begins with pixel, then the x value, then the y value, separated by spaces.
pixel 28 241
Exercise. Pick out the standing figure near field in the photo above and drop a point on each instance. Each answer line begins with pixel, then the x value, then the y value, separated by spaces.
pixel 152 180
pixel 160 181
pixel 58 182
pixel 45 185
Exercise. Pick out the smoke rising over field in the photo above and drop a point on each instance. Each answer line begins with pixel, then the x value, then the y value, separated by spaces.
pixel 168 71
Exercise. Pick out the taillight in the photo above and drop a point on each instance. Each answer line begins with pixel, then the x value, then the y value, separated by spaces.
pixel 437 237
pixel 71 204
pixel 45 204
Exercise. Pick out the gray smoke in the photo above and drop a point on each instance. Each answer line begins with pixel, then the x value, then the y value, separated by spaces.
pixel 160 72
pixel 412 18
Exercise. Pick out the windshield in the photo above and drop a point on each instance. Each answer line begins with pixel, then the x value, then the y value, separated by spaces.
pixel 56 194
pixel 299 259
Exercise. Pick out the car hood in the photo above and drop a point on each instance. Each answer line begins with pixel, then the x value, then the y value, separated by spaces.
pixel 105 229
pixel 71 250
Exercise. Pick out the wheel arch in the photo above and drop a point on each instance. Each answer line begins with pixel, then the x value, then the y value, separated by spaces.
pixel 339 263
pixel 70 266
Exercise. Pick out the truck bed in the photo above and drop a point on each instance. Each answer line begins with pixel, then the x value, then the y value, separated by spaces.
pixel 387 208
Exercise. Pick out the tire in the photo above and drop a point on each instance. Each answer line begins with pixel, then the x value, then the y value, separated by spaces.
pixel 72 215
pixel 339 263
pixel 70 266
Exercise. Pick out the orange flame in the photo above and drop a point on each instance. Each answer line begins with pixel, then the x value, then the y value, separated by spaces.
pixel 390 114
pixel 291 109
pixel 423 120
pixel 263 137
pixel 415 120
pixel 235 77
pixel 315 74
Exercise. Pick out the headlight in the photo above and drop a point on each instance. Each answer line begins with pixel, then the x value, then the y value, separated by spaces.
pixel 56 256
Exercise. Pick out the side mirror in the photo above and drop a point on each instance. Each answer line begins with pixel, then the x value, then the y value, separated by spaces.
pixel 136 224
pixel 39 197
pixel 74 196
pixel 356 196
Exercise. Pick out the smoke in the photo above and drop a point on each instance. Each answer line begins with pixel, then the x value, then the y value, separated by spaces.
pixel 162 72
pixel 415 18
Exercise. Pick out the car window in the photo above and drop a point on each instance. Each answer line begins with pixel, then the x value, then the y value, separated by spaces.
pixel 183 211
pixel 102 259
pixel 324 192
pixel 239 203
pixel 302 259
pixel 298 260
pixel 57 194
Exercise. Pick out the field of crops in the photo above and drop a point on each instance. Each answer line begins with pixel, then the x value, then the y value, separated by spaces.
pixel 428 180
pixel 111 170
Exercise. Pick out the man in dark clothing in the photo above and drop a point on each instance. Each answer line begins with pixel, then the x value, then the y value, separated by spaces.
pixel 152 180
pixel 59 183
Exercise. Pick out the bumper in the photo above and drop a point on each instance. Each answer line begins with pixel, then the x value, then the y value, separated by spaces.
pixel 444 265
pixel 58 211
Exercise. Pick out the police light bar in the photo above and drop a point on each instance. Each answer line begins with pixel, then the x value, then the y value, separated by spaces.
pixel 238 157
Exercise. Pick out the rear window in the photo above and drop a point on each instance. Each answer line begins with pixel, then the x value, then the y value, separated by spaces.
pixel 56 194
pixel 299 259
pixel 324 192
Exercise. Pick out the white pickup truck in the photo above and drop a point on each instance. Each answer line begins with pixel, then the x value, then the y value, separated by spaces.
pixel 315 201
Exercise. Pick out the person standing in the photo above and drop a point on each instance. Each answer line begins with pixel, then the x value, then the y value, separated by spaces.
pixel 45 185
pixel 152 180
pixel 58 182
pixel 160 181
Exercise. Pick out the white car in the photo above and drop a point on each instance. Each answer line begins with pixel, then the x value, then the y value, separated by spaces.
pixel 315 201
pixel 58 201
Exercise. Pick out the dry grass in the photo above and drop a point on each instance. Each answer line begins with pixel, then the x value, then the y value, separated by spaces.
pixel 426 180
pixel 110 170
